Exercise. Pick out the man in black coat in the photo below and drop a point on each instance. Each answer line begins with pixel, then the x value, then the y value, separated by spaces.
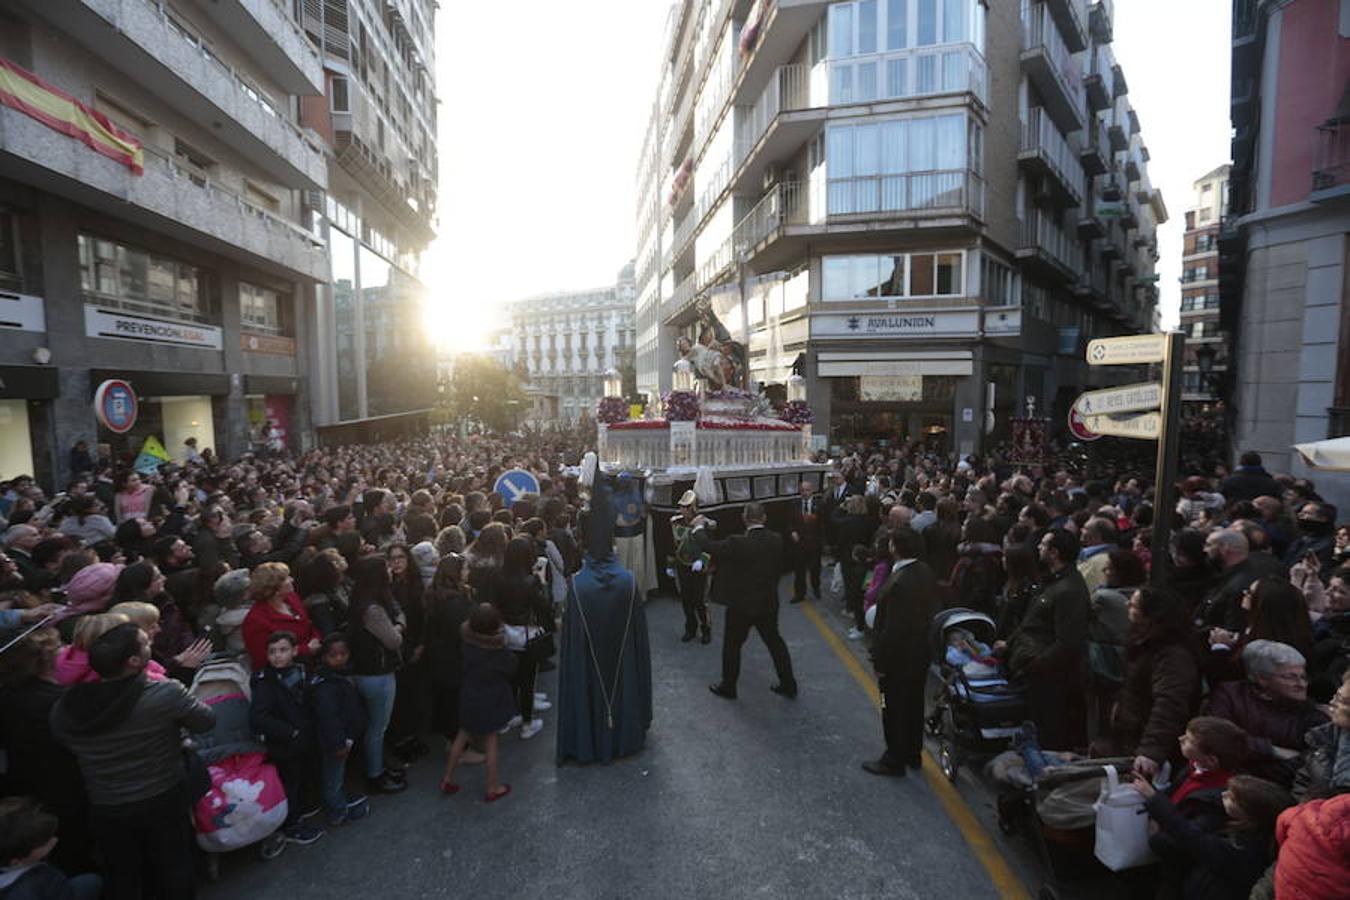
pixel 900 654
pixel 746 581
pixel 836 492
pixel 804 524
pixel 1250 480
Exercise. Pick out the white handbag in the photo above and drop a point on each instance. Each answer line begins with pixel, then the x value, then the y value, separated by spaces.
pixel 1122 826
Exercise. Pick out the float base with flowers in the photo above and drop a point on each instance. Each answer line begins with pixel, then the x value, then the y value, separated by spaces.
pixel 730 446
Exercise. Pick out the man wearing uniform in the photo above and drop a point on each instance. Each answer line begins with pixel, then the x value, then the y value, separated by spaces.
pixel 690 531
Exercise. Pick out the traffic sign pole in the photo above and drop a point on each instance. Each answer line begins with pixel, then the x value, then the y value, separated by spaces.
pixel 1169 445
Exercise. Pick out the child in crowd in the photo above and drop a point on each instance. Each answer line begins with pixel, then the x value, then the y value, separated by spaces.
pixel 27 837
pixel 1215 750
pixel 340 721
pixel 279 715
pixel 1226 863
pixel 72 662
pixel 486 699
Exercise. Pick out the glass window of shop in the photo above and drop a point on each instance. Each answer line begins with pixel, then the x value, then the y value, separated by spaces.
pixel 125 277
pixel 171 420
pixel 400 359
pixel 897 276
pixel 16 442
pixel 343 251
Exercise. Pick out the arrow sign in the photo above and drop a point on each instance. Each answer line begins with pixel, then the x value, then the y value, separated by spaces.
pixel 1127 351
pixel 1125 399
pixel 514 484
pixel 1145 426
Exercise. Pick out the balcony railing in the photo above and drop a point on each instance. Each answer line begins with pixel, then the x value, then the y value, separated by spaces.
pixel 784 204
pixel 1039 233
pixel 1101 20
pixel 1057 78
pixel 956 190
pixel 1100 79
pixel 1332 170
pixel 904 74
pixel 1042 138
pixel 789 88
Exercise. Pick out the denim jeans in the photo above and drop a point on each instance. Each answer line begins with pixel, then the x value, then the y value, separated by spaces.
pixel 334 773
pixel 378 693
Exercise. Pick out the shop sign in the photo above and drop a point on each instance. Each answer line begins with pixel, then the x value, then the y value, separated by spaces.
pixel 1003 321
pixel 22 312
pixel 896 324
pixel 115 406
pixel 267 343
pixel 107 323
pixel 890 388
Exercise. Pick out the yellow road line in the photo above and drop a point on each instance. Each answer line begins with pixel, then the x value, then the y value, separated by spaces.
pixel 1008 885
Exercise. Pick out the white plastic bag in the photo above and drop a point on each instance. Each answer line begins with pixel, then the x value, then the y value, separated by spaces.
pixel 1122 826
pixel 516 636
pixel 837 579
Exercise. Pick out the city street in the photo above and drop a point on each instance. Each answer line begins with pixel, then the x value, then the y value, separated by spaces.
pixel 757 797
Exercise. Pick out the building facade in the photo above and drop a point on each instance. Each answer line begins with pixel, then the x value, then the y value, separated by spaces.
pixel 927 206
pixel 1206 363
pixel 375 360
pixel 564 343
pixel 1283 245
pixel 155 224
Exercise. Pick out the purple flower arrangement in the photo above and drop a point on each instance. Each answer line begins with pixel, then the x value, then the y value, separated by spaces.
pixel 681 406
pixel 611 410
pixel 796 412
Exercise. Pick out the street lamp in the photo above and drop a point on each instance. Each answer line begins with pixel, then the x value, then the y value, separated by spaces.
pixel 796 388
pixel 613 383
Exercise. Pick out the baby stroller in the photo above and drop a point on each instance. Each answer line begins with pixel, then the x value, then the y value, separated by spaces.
pixel 975 710
pixel 246 801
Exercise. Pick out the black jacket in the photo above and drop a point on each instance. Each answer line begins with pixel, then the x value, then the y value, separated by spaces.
pixel 279 715
pixel 1053 635
pixel 905 606
pixel 1220 866
pixel 336 710
pixel 806 522
pixel 1248 483
pixel 747 570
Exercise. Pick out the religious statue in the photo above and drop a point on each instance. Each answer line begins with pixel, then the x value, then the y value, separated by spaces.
pixel 718 361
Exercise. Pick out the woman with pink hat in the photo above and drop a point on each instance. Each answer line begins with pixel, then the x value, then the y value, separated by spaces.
pixel 90 591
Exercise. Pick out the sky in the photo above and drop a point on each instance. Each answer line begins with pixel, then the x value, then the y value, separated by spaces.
pixel 542 116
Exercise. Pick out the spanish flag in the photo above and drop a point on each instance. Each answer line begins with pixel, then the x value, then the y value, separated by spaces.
pixel 29 94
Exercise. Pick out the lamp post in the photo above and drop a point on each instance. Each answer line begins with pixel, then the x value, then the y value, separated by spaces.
pixel 796 387
pixel 613 383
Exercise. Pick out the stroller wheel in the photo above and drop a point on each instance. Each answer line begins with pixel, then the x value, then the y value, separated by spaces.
pixel 948 758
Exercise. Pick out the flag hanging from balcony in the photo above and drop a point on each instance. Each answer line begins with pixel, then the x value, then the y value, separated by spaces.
pixel 23 91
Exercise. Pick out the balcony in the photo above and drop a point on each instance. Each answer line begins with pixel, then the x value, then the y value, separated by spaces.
pixel 908 74
pixel 1051 68
pixel 1072 18
pixel 1045 246
pixel 784 204
pixel 1247 36
pixel 949 191
pixel 136 38
pixel 1090 225
pixel 1101 20
pixel 1118 127
pixel 789 89
pixel 1099 82
pixel 1044 150
pixel 1094 153
pixel 1133 162
pixel 165 199
pixel 1091 284
pixel 273 40
pixel 1331 172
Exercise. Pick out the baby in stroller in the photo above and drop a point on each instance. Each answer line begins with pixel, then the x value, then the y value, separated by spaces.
pixel 973 657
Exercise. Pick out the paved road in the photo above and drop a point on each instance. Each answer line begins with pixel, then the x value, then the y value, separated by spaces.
pixel 761 797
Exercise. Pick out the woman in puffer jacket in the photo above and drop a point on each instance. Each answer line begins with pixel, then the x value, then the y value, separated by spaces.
pixel 1314 860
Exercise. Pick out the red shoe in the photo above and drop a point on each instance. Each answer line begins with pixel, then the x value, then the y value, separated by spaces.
pixel 449 787
pixel 493 798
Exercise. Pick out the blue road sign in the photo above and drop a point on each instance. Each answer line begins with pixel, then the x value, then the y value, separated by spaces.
pixel 514 484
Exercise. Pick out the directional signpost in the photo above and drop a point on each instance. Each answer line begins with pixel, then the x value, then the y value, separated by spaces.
pixel 1148 411
pixel 514 484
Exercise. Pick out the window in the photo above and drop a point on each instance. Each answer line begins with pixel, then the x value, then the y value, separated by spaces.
pixel 261 198
pixel 892 276
pixel 9 251
pixel 260 309
pixel 196 164
pixel 116 275
pixel 897 24
pixel 895 165
pixel 136 125
pixel 1000 287
pixel 855 27
pixel 338 99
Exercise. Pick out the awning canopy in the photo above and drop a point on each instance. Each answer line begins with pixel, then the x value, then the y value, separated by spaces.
pixel 1331 455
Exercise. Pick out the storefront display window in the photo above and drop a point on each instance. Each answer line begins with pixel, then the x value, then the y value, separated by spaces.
pixel 16 446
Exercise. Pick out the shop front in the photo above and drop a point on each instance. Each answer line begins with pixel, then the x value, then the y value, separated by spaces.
pixel 174 406
pixel 25 395
pixel 270 408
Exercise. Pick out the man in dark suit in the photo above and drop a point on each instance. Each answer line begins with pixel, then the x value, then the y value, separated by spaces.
pixel 900 654
pixel 746 582
pixel 836 492
pixel 805 528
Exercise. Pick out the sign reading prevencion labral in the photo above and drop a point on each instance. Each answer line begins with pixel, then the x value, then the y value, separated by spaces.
pixel 1125 399
pixel 1145 426
pixel 1130 350
pixel 107 323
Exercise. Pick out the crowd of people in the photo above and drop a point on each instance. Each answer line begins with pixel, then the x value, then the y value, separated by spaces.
pixel 371 593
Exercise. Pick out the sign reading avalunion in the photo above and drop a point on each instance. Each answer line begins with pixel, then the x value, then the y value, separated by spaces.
pixel 107 323
pixel 914 323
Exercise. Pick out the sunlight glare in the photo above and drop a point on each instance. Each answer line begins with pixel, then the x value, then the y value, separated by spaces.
pixel 455 323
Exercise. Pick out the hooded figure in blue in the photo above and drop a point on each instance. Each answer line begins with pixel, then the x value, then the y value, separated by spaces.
pixel 605 666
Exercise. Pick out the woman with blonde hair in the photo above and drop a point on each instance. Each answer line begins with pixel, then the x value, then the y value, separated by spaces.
pixel 276 607
pixel 72 662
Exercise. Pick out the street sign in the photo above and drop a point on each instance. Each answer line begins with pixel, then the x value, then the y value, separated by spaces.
pixel 1125 399
pixel 115 406
pixel 1146 426
pixel 1078 427
pixel 1127 351
pixel 514 484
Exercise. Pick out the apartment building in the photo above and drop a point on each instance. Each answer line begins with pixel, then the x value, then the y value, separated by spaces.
pixel 1283 244
pixel 926 206
pixel 1206 362
pixel 374 365
pixel 154 223
pixel 565 343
